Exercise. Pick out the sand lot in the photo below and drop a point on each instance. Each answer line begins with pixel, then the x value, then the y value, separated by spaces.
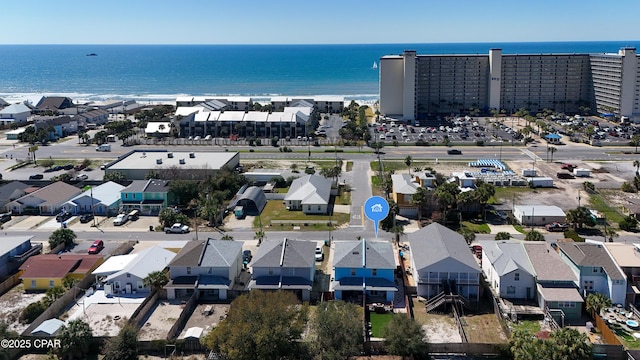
pixel 12 303
pixel 162 317
pixel 104 319
pixel 205 321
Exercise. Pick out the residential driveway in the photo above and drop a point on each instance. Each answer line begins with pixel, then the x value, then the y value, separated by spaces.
pixel 360 192
pixel 31 222
pixel 142 224
pixel 503 228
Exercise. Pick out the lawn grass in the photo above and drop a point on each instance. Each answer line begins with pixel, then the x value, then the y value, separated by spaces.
pixel 344 198
pixel 519 229
pixel 399 165
pixel 477 228
pixel 599 203
pixel 349 165
pixel 528 325
pixel 379 322
pixel 275 210
pixel 376 190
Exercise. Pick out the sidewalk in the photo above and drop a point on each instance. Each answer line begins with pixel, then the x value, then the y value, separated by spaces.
pixel 503 228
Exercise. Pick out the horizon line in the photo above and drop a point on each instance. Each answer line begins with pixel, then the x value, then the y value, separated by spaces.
pixel 312 44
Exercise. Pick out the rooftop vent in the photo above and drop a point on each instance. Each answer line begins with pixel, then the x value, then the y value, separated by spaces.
pixel 158 161
pixel 170 155
pixel 181 161
pixel 192 155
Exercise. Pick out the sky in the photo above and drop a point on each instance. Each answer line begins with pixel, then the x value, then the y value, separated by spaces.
pixel 315 22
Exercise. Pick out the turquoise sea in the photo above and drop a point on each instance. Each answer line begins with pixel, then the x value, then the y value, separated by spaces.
pixel 161 72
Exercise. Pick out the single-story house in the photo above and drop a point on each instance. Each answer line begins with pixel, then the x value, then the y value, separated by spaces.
pixel 209 267
pixel 49 327
pixel 402 190
pixel 535 215
pixel 367 266
pixel 442 262
pixel 158 128
pixel 103 199
pixel 16 113
pixel 15 133
pixel 310 193
pixel 508 270
pixel 48 200
pixel 553 138
pixel 285 265
pixel 126 273
pixel 13 190
pixel 41 272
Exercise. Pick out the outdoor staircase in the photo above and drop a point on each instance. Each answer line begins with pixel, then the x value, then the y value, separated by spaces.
pixel 436 301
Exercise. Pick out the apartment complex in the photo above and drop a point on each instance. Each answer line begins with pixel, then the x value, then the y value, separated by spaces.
pixel 416 87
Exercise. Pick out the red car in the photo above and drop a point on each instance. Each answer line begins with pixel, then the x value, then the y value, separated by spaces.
pixel 97 246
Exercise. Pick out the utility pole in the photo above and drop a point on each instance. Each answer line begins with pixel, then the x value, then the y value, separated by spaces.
pixel 578 198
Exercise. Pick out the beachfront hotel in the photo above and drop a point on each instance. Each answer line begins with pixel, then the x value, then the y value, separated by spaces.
pixel 418 87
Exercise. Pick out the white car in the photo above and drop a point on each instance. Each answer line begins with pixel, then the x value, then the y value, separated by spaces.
pixel 392 131
pixel 401 128
pixel 208 137
pixel 382 137
pixel 393 124
pixel 404 134
pixel 319 254
pixel 423 130
pixel 196 138
pixel 82 177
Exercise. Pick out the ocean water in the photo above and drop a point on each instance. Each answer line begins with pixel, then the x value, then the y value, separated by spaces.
pixel 162 72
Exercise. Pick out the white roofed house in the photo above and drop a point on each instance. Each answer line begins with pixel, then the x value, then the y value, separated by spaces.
pixel 537 215
pixel 509 272
pixel 126 273
pixel 310 193
pixel 284 265
pixel 443 267
pixel 16 113
pixel 402 190
pixel 158 129
pixel 103 199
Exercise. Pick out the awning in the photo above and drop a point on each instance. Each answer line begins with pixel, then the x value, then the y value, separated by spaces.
pixel 560 294
pixel 371 284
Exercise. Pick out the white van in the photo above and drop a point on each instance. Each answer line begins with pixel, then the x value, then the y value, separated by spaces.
pixel 104 147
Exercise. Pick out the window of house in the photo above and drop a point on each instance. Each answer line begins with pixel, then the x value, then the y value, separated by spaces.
pixel 595 270
pixel 210 270
pixel 374 272
pixel 33 283
pixel 353 272
pixel 309 207
pixel 511 289
pixel 517 277
pixel 128 275
pixel 270 271
pixel 318 207
pixel 140 285
pixel 51 283
pixel 188 270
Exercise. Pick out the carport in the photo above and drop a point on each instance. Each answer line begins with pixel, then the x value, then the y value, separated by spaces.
pixel 251 198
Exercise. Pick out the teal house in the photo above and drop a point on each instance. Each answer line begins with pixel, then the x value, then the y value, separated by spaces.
pixel 147 196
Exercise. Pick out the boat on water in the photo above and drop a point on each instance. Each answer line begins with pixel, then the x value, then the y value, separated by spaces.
pixel 92 54
pixel 375 65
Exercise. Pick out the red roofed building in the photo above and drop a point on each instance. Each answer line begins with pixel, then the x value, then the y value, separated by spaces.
pixel 45 271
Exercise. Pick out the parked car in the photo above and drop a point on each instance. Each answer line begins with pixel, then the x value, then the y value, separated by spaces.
pixel 96 247
pixel 79 167
pixel 5 217
pixel 121 219
pixel 63 216
pixel 36 177
pixel 67 167
pixel 82 177
pixel 454 152
pixel 177 228
pixel 319 254
pixel 86 218
pixel 246 256
pixel 555 226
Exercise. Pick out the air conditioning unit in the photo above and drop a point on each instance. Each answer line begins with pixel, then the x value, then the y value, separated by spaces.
pixel 181 161
pixel 170 155
pixel 192 155
pixel 158 161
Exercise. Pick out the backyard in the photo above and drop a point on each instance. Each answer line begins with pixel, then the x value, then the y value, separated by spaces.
pixel 379 322
pixel 275 211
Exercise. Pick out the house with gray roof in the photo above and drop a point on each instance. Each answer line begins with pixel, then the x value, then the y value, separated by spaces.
pixel 16 113
pixel 508 270
pixel 103 199
pixel 11 191
pixel 441 263
pixel 48 200
pixel 402 190
pixel 14 250
pixel 556 284
pixel 209 267
pixel 310 193
pixel 364 267
pixel 598 273
pixel 538 214
pixel 284 265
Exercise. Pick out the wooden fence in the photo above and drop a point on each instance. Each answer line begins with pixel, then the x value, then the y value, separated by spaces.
pixel 186 313
pixel 605 332
pixel 141 311
pixel 10 282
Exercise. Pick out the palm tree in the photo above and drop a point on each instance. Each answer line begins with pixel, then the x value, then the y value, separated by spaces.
pixel 635 141
pixel 580 216
pixel 397 230
pixel 226 237
pixel 596 302
pixel 534 236
pixel 155 280
pixel 419 198
pixel 407 161
pixel 636 163
pixel 259 236
pixel 75 340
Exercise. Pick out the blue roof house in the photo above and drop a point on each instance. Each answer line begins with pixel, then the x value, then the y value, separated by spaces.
pixel 100 200
pixel 553 138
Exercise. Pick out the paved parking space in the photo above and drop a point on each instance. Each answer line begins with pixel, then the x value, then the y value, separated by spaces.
pixel 142 224
pixel 30 222
pixel 109 246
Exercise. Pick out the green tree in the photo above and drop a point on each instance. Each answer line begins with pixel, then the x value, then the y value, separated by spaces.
pixel 447 194
pixel 408 161
pixel 580 216
pixel 156 280
pixel 75 340
pixel 62 236
pixel 47 163
pixel 404 336
pixel 5 333
pixel 226 237
pixel 124 346
pixel 168 217
pixel 503 235
pixel 115 176
pixel 261 325
pixel 184 191
pixel 338 327
pixel 636 163
pixel 534 235
pixel 53 294
pixel 629 223
pixel 570 344
pixel 420 198
pixel 635 142
pixel 31 312
pixel 590 131
pixel 551 149
pixel 596 302
pixel 468 235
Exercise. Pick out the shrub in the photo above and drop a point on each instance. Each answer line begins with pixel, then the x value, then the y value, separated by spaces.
pixel 573 235
pixel 480 143
pixel 31 312
pixel 503 235
pixel 628 224
pixel 626 187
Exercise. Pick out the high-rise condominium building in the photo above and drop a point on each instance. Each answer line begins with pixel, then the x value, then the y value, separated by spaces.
pixel 416 87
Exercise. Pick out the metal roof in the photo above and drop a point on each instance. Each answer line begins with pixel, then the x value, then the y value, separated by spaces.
pixel 589 254
pixel 378 255
pixel 507 256
pixel 296 254
pixel 310 189
pixel 435 243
